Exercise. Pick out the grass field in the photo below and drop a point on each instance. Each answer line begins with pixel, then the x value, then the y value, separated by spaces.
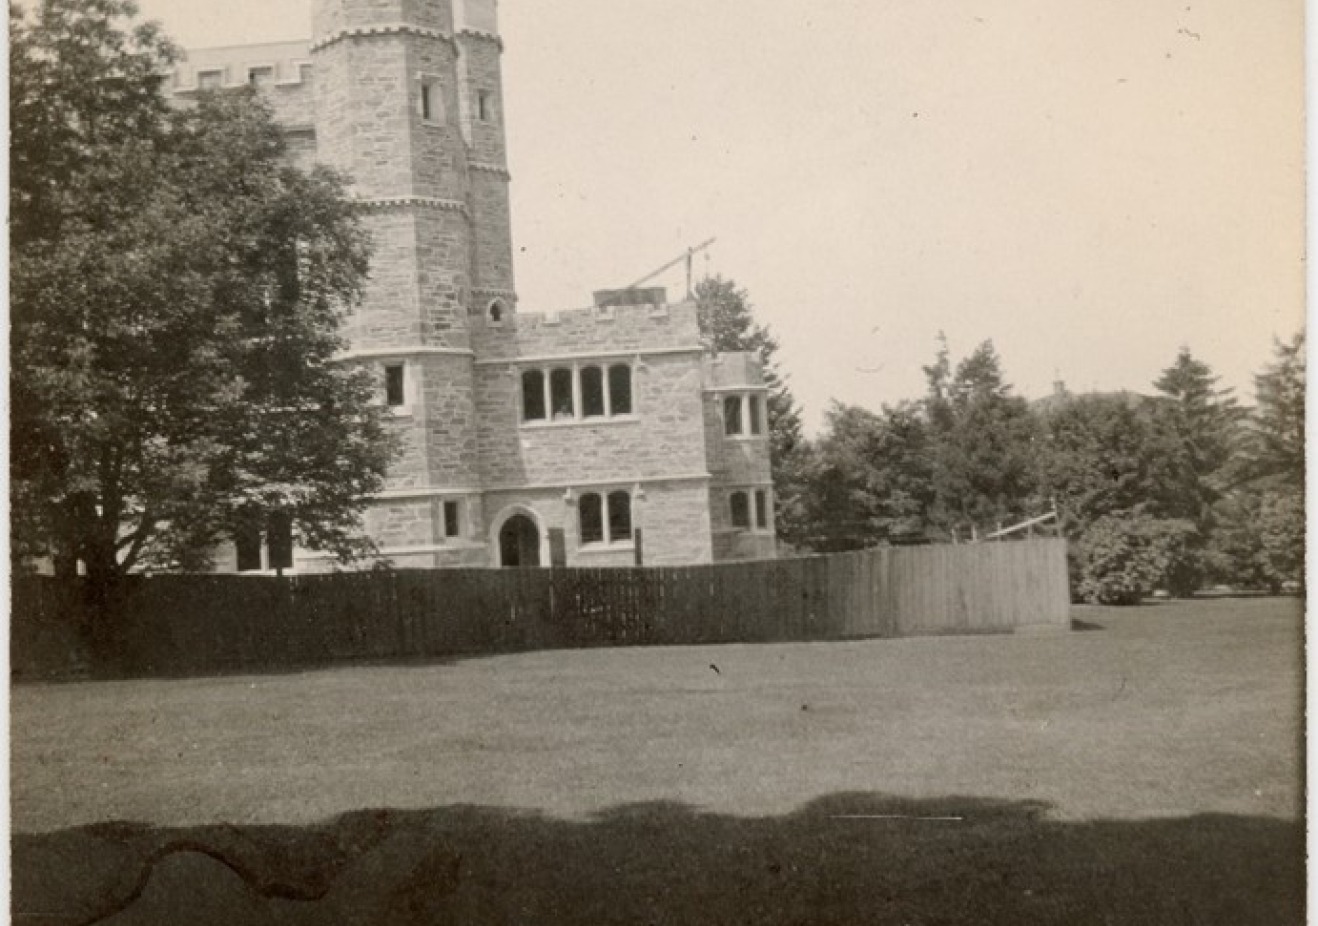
pixel 1143 769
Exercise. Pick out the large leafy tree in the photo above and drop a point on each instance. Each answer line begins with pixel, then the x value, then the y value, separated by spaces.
pixel 1097 456
pixel 870 479
pixel 176 295
pixel 727 323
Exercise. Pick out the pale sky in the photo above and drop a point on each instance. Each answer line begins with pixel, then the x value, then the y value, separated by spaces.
pixel 1089 183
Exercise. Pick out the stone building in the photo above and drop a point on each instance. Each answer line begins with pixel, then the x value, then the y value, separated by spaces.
pixel 569 437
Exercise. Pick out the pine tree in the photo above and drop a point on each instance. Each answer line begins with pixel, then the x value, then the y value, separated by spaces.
pixel 1197 425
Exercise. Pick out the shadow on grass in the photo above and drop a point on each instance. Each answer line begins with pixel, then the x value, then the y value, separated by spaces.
pixel 1085 625
pixel 844 858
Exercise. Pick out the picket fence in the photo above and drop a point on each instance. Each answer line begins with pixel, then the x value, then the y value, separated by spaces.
pixel 196 624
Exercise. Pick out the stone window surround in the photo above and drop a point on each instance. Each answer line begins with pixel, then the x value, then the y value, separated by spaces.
pixel 604 494
pixel 429 95
pixel 756 396
pixel 754 497
pixel 461 518
pixel 484 108
pixel 606 365
pixel 260 542
pixel 409 387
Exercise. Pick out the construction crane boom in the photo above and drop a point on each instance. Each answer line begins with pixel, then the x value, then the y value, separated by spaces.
pixel 690 252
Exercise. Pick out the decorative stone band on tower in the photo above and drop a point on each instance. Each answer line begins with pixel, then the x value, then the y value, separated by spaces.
pixel 589 437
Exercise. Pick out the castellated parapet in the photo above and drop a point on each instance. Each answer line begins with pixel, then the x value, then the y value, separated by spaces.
pixel 529 438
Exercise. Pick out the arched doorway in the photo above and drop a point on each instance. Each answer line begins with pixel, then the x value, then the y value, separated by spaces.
pixel 519 542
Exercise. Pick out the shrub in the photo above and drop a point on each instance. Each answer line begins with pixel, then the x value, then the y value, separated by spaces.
pixel 1124 557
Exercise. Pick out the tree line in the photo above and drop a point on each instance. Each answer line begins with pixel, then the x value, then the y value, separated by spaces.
pixel 1173 490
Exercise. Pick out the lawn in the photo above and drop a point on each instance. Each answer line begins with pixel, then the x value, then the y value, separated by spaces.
pixel 1142 769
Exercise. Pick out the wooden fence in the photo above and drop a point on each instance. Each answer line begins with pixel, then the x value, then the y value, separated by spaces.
pixel 179 625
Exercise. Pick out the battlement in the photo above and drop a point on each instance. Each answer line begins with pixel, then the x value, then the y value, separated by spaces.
pixel 614 329
pixel 268 65
pixel 479 16
pixel 733 370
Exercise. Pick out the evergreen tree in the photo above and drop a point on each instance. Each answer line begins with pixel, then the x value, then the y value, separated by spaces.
pixel 1277 449
pixel 176 295
pixel 1198 428
pixel 727 323
pixel 982 441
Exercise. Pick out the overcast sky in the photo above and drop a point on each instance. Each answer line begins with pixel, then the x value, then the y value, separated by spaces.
pixel 1089 183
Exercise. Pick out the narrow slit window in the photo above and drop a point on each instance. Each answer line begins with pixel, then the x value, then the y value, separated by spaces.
pixel 761 509
pixel 533 395
pixel 620 516
pixel 483 106
pixel 452 520
pixel 732 414
pixel 560 390
pixel 741 515
pixel 428 103
pixel 757 414
pixel 592 392
pixel 589 510
pixel 620 389
pixel 394 389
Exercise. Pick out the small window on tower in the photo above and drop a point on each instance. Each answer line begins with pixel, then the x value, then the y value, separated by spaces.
pixel 483 106
pixel 452 520
pixel 431 106
pixel 496 312
pixel 394 392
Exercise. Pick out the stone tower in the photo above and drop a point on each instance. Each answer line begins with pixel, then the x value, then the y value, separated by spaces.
pixel 408 103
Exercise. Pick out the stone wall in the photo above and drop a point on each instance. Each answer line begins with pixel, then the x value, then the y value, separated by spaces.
pixel 619 330
pixel 737 462
pixel 661 439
